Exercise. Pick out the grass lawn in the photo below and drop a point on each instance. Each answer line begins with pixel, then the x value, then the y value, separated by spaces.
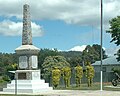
pixel 95 86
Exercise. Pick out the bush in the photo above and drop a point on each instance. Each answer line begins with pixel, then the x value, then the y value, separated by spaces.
pixel 6 78
pixel 116 69
pixel 78 74
pixel 1 81
pixel 67 76
pixel 55 77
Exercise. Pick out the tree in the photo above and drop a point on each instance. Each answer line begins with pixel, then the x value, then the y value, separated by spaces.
pixel 118 54
pixel 6 61
pixel 53 61
pixel 114 30
pixel 78 74
pixel 56 74
pixel 92 53
pixel 73 57
pixel 45 53
pixel 67 76
pixel 98 50
pixel 90 72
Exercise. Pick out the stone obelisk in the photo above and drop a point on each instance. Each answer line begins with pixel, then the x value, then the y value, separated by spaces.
pixel 27 75
pixel 27 34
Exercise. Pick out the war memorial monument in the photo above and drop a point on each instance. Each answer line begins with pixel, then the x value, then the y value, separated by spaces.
pixel 27 76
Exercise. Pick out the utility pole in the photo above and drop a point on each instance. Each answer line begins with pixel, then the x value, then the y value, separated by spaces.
pixel 101 71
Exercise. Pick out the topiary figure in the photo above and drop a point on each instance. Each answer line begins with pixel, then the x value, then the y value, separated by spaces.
pixel 90 72
pixel 67 76
pixel 55 77
pixel 78 74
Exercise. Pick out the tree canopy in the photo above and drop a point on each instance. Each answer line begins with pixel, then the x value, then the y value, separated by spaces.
pixel 114 30
pixel 92 53
pixel 53 61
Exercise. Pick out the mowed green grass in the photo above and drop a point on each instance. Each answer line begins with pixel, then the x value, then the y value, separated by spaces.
pixel 95 86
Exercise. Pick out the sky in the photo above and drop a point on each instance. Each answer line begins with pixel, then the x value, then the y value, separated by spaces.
pixel 62 24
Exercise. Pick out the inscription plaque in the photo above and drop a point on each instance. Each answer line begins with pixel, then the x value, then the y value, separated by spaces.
pixel 23 62
pixel 22 76
pixel 34 61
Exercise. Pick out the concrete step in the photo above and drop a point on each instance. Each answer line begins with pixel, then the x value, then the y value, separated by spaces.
pixel 28 90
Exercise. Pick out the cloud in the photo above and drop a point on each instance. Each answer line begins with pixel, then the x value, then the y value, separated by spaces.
pixel 78 48
pixel 81 12
pixel 112 51
pixel 10 28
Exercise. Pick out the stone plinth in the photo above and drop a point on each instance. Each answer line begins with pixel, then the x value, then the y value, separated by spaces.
pixel 27 84
pixel 27 49
pixel 28 58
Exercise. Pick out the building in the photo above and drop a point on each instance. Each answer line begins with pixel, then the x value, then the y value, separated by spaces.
pixel 107 64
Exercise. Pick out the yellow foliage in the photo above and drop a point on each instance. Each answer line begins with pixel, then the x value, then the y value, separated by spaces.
pixel 67 76
pixel 78 74
pixel 90 72
pixel 56 77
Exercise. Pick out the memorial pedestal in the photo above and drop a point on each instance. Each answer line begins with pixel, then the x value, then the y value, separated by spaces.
pixel 28 76
pixel 35 85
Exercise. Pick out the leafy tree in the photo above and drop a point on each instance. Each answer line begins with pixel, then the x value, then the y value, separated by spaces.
pixel 116 69
pixel 56 74
pixel 98 50
pixel 114 30
pixel 45 53
pixel 6 61
pixel 92 53
pixel 118 54
pixel 73 57
pixel 53 61
pixel 66 76
pixel 90 72
pixel 78 74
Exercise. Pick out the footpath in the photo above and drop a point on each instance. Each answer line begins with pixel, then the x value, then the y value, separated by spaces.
pixel 75 93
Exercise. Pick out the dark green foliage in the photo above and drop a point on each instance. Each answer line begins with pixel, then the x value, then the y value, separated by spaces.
pixel 45 53
pixel 114 30
pixel 53 61
pixel 116 69
pixel 118 55
pixel 73 57
pixel 92 53
pixel 98 50
pixel 6 78
pixel 6 61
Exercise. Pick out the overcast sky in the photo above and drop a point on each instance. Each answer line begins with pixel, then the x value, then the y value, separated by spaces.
pixel 61 24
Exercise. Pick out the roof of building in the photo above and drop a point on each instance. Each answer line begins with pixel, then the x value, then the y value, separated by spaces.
pixel 108 61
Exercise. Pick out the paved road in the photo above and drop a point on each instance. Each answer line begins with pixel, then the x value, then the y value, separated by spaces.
pixel 77 93
pixel 84 93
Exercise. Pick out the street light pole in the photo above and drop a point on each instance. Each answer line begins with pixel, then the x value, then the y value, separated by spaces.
pixel 101 73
